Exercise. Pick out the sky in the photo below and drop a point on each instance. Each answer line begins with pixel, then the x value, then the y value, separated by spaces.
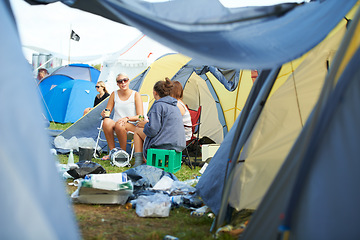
pixel 47 28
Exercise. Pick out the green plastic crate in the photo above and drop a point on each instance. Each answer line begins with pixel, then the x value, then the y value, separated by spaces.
pixel 168 160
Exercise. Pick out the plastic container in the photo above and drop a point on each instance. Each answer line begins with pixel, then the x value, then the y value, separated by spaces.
pixel 71 158
pixel 168 160
pixel 85 154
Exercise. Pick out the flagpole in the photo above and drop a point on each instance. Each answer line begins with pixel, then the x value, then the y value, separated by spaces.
pixel 69 45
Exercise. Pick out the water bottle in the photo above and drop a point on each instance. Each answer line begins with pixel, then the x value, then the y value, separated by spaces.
pixel 71 158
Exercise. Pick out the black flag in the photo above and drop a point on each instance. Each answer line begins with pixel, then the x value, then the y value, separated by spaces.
pixel 74 36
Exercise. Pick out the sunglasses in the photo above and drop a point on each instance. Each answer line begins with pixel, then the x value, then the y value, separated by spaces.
pixel 125 80
pixel 97 86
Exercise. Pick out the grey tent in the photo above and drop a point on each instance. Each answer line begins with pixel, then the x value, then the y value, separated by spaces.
pixel 34 204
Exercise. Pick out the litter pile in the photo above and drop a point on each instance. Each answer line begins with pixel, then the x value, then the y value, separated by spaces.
pixel 151 191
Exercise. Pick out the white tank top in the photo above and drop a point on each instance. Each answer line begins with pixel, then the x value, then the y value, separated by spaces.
pixel 187 122
pixel 124 108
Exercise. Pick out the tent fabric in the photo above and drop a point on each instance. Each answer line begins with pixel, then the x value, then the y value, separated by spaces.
pixel 229 100
pixel 279 124
pixel 67 101
pixel 79 71
pixel 34 203
pixel 195 95
pixel 87 126
pixel 205 90
pixel 68 91
pixel 229 38
pixel 229 78
pixel 226 152
pixel 320 173
pixel 52 81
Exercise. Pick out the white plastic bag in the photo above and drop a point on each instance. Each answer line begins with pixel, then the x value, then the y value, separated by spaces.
pixel 164 183
pixel 157 205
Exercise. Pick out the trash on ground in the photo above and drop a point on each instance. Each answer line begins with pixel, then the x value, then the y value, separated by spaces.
pixel 200 211
pixel 181 188
pixel 164 183
pixel 234 231
pixel 73 143
pixel 169 237
pixel 145 177
pixel 112 188
pixel 157 205
pixel 84 168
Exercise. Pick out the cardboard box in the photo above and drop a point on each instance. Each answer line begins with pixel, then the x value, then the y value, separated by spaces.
pixel 111 188
pixel 208 150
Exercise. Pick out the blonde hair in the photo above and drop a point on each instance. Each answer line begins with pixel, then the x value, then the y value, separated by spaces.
pixel 122 74
pixel 102 84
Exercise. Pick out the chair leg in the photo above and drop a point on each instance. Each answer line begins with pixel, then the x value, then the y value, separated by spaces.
pixel 187 159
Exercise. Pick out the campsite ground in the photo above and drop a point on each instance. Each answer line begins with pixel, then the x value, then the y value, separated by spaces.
pixel 122 222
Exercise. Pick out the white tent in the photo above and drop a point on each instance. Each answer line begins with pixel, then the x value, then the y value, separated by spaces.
pixel 134 58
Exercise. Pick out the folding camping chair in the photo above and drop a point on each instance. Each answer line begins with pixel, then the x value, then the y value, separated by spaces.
pixel 195 127
pixel 130 135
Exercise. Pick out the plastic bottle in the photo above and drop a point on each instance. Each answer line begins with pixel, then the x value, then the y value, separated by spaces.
pixel 71 158
pixel 169 237
pixel 176 201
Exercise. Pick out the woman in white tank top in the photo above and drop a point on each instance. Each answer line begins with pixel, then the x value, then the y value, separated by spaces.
pixel 128 107
pixel 177 93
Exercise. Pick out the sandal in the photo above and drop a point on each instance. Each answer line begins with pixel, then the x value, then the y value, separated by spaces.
pixel 107 157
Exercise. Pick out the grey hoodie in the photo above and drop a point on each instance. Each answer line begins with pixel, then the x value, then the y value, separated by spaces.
pixel 165 129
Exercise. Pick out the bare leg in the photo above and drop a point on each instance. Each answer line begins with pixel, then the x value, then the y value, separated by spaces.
pixel 139 137
pixel 108 128
pixel 86 111
pixel 121 134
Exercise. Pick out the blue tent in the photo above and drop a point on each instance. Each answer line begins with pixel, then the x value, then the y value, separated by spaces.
pixel 67 101
pixel 64 98
pixel 78 71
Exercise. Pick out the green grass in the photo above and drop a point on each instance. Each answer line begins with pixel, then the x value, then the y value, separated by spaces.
pixel 59 126
pixel 118 222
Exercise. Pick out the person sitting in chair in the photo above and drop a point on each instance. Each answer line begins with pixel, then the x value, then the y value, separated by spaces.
pixel 177 93
pixel 128 108
pixel 103 94
pixel 165 127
